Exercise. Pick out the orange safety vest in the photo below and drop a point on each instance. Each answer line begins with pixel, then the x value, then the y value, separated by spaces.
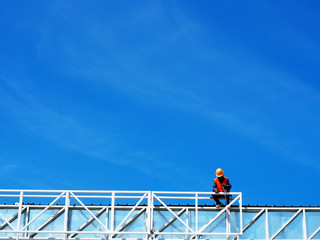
pixel 219 185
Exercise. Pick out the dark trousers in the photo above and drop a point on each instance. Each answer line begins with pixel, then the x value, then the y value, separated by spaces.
pixel 218 197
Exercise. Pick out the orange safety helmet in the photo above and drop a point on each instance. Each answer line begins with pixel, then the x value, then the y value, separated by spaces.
pixel 219 172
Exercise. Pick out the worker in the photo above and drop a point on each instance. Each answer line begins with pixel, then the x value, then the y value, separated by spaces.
pixel 221 184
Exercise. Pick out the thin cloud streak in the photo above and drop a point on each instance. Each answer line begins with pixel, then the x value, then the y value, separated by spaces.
pixel 262 80
pixel 67 132
pixel 245 121
pixel 164 92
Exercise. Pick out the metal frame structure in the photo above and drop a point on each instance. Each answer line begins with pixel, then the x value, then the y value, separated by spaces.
pixel 282 223
pixel 113 214
pixel 56 214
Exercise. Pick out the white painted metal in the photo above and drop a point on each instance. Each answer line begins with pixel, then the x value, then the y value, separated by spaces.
pixel 315 233
pixel 286 224
pixel 304 224
pixel 7 222
pixel 66 210
pixel 175 215
pixel 241 219
pixel 88 210
pixel 135 214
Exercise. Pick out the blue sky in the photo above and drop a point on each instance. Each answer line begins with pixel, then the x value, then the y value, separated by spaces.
pixel 155 95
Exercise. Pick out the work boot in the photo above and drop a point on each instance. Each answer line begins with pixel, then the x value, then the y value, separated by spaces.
pixel 219 205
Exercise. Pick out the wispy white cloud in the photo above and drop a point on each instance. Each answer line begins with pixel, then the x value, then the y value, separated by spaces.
pixel 270 88
pixel 7 169
pixel 68 132
pixel 237 92
pixel 253 90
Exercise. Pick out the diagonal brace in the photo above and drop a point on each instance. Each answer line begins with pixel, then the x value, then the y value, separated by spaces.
pixel 88 223
pixel 85 207
pixel 191 230
pixel 171 221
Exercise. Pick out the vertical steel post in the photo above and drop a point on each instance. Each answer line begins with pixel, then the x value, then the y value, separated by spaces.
pixel 27 220
pixel 196 212
pixel 241 214
pixel 149 220
pixel 304 224
pixel 19 212
pixel 228 225
pixel 187 222
pixel 112 212
pixel 267 224
pixel 107 219
pixel 66 214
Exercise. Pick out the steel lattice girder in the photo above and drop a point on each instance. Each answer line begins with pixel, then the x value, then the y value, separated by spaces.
pixel 145 215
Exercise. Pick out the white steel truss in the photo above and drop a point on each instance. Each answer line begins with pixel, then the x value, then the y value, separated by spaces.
pixel 43 214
